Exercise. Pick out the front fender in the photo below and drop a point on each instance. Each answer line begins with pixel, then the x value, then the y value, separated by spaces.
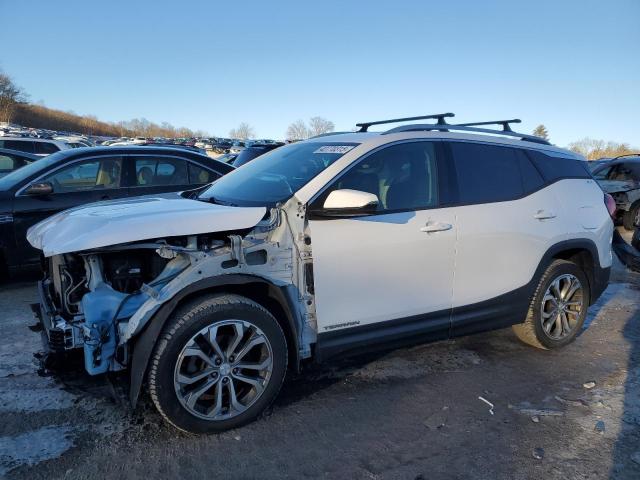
pixel 146 340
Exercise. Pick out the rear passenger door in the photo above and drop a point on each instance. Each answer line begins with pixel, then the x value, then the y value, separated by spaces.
pixel 152 174
pixel 506 222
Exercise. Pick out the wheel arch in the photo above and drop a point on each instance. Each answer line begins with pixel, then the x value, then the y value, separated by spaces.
pixel 280 301
pixel 584 253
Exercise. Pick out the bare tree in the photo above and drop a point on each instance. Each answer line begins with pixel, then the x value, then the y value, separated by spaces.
pixel 10 96
pixel 541 131
pixel 319 125
pixel 594 149
pixel 243 132
pixel 298 131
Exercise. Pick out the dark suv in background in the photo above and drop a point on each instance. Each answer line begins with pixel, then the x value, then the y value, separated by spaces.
pixel 620 177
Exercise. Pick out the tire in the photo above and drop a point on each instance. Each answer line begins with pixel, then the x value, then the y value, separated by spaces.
pixel 545 330
pixel 236 324
pixel 629 217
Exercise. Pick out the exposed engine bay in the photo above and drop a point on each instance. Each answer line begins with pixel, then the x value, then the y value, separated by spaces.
pixel 100 299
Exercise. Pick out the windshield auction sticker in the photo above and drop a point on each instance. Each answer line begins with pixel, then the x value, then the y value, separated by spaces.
pixel 340 149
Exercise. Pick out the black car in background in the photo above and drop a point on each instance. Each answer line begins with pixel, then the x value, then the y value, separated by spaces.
pixel 11 160
pixel 252 151
pixel 82 175
pixel 222 145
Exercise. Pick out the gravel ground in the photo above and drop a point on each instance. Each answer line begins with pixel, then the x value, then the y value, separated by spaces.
pixel 409 414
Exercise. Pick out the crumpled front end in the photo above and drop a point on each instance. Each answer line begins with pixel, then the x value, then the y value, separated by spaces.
pixel 100 299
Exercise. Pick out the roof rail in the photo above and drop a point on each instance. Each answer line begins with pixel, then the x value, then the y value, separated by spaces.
pixel 439 116
pixel 463 128
pixel 626 155
pixel 505 124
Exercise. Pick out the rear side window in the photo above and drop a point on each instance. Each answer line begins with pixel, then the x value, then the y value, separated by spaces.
pixel 556 168
pixel 488 173
pixel 20 145
pixel 199 175
pixel 160 171
pixel 45 148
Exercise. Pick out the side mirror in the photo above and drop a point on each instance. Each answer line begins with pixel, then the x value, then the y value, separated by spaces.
pixel 42 188
pixel 348 203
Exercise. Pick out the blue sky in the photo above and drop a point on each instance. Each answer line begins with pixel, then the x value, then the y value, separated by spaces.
pixel 573 65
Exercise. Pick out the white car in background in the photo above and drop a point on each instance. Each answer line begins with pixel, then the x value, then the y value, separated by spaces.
pixel 74 142
pixel 36 146
pixel 338 244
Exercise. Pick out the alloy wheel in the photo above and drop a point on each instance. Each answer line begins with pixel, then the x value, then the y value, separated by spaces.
pixel 562 306
pixel 223 369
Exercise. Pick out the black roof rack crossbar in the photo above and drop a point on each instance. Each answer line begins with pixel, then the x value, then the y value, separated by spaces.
pixel 463 128
pixel 505 124
pixel 439 116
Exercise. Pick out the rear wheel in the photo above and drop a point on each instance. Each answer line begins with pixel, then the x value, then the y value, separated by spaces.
pixel 218 364
pixel 558 309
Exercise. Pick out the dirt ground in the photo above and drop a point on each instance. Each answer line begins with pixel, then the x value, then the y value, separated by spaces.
pixel 409 414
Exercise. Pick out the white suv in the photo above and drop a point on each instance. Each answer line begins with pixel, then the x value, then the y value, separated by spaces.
pixel 335 245
pixel 37 146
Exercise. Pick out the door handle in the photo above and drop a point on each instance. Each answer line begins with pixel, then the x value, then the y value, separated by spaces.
pixel 544 215
pixel 436 227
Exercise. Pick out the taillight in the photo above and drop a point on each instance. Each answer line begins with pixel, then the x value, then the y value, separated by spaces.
pixel 611 205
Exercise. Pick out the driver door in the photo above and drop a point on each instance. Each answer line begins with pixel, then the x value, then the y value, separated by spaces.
pixel 387 276
pixel 82 182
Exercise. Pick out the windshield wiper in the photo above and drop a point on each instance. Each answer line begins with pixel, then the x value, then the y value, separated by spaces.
pixel 220 202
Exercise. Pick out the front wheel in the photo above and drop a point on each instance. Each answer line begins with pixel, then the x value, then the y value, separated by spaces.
pixel 219 363
pixel 558 309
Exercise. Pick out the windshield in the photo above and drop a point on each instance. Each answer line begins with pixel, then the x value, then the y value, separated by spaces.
pixel 275 176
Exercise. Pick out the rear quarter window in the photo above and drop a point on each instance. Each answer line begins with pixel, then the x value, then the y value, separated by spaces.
pixel 488 173
pixel 557 168
pixel 45 148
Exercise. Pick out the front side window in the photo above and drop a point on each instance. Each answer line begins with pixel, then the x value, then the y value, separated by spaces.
pixel 94 174
pixel 160 171
pixel 275 176
pixel 403 177
pixel 7 163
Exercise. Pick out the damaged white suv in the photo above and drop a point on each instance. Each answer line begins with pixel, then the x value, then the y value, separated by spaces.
pixel 338 244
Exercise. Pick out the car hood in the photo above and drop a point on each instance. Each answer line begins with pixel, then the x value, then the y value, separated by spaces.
pixel 614 186
pixel 121 221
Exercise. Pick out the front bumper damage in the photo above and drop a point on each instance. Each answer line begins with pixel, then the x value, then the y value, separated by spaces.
pixel 58 335
pixel 106 321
